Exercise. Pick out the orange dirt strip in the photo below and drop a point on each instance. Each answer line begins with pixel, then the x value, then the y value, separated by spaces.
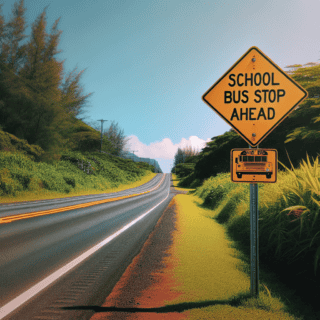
pixel 147 284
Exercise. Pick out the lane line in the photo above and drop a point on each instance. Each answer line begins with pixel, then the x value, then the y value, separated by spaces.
pixel 21 216
pixel 27 295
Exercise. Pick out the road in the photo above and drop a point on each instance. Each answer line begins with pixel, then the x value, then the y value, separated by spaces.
pixel 73 257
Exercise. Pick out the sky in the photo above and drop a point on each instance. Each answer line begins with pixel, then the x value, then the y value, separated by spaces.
pixel 148 62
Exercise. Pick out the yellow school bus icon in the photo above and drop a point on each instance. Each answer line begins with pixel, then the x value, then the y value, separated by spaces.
pixel 254 165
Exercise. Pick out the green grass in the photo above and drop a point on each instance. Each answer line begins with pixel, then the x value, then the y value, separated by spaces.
pixel 211 274
pixel 289 236
pixel 175 180
pixel 289 211
pixel 74 174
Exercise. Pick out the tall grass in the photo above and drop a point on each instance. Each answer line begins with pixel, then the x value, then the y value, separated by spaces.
pixel 296 232
pixel 289 211
pixel 289 226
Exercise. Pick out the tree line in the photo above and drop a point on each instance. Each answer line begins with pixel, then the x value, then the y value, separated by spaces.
pixel 39 102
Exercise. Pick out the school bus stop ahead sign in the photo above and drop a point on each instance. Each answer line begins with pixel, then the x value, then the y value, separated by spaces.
pixel 254 96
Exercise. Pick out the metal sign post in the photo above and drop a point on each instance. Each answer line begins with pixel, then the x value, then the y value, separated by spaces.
pixel 254 239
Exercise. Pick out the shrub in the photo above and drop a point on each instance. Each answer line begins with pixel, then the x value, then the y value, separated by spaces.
pixel 70 181
pixel 8 186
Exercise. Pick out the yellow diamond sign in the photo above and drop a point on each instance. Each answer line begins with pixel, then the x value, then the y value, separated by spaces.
pixel 254 96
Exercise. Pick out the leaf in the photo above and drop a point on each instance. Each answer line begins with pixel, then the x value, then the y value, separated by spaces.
pixel 295 208
pixel 268 291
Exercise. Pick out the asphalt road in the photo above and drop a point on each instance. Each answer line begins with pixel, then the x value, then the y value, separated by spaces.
pixel 32 250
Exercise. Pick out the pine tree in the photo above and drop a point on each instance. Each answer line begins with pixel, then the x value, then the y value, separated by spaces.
pixel 42 74
pixel 116 139
pixel 179 157
pixel 72 99
pixel 12 51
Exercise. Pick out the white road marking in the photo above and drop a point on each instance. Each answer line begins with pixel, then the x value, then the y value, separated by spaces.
pixel 27 295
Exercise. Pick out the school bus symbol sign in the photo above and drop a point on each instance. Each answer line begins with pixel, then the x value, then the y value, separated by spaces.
pixel 254 165
pixel 254 96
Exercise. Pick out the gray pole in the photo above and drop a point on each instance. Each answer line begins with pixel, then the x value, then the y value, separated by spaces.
pixel 133 153
pixel 254 239
pixel 101 133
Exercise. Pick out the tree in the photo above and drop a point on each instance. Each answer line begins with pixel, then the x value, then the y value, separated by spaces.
pixel 12 52
pixel 187 154
pixel 116 137
pixel 72 98
pixel 35 103
pixel 113 139
pixel 12 55
pixel 178 157
pixel 42 73
pixel 190 154
pixel 308 112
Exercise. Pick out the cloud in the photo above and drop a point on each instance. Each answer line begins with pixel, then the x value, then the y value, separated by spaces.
pixel 164 149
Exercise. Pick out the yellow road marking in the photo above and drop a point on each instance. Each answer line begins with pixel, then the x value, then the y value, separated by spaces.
pixel 21 216
pixel 45 212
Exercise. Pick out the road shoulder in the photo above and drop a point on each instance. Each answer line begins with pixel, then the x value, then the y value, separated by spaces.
pixel 185 270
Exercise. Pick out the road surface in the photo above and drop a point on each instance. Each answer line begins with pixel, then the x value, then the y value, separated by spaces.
pixel 73 257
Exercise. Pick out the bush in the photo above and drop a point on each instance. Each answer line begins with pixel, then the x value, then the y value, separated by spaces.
pixel 184 169
pixel 11 143
pixel 70 181
pixel 8 186
pixel 74 171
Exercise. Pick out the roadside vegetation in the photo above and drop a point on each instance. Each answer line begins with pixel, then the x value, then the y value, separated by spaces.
pixel 175 180
pixel 289 236
pixel 74 174
pixel 217 284
pixel 212 277
pixel 27 172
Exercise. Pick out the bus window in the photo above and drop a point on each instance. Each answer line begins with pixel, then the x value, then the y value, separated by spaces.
pixel 257 159
pixel 245 158
pixel 264 159
pixel 240 158
pixel 251 158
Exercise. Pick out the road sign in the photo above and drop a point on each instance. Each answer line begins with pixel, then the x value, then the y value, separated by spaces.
pixel 254 96
pixel 254 165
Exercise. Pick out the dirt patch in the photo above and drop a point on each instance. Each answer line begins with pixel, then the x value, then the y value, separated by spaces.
pixel 148 282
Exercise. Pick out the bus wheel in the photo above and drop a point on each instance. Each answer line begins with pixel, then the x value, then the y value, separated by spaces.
pixel 239 175
pixel 268 175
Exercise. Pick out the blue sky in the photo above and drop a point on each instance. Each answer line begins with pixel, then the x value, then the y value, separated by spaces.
pixel 149 62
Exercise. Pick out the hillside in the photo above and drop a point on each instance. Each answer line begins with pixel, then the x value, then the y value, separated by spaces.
pixel 26 173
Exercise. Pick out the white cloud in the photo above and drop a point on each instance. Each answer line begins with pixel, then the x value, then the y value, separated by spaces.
pixel 164 149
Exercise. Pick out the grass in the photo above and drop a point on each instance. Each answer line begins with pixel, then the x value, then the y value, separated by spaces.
pixel 289 212
pixel 289 236
pixel 175 182
pixel 75 174
pixel 211 273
